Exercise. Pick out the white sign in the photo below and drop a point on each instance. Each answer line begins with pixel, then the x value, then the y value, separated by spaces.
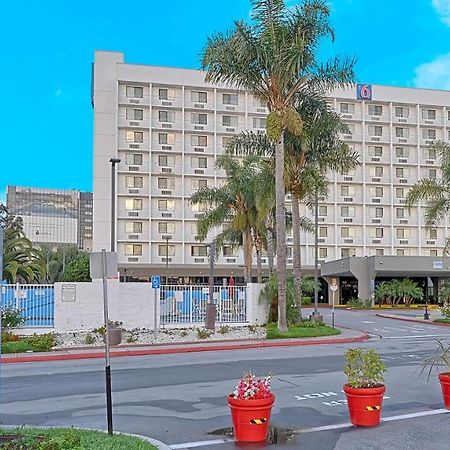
pixel 438 264
pixel 334 287
pixel 69 293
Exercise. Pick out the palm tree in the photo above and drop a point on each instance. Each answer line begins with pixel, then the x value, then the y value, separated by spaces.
pixel 384 292
pixel 275 58
pixel 408 291
pixel 21 261
pixel 231 207
pixel 434 192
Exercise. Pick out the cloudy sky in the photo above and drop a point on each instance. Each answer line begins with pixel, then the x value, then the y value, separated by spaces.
pixel 47 49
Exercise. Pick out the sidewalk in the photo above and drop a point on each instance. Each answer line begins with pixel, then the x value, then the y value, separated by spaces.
pixel 413 316
pixel 346 336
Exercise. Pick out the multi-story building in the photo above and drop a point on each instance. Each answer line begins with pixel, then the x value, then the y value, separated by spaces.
pixel 167 126
pixel 54 216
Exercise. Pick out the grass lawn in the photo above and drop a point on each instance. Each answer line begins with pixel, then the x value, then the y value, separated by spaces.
pixel 64 438
pixel 15 347
pixel 299 331
pixel 442 320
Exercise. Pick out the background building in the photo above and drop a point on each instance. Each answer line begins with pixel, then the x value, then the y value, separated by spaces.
pixel 55 216
pixel 167 126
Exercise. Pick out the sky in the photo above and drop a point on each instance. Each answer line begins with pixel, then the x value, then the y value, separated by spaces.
pixel 47 47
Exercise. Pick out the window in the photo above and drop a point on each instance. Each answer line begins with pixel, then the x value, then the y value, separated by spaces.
pixel 375 110
pixel 401 152
pixel 432 234
pixel 133 227
pixel 432 153
pixel 229 121
pixel 375 130
pixel 323 232
pixel 166 205
pixel 199 250
pixel 323 210
pixel 376 171
pixel 259 122
pixel 400 252
pixel 135 92
pixel 400 213
pixel 199 162
pixel 198 207
pixel 197 184
pixel 347 252
pixel 432 173
pixel 133 249
pixel 199 119
pixel 347 191
pixel 166 161
pixel 225 141
pixel 429 114
pixel 230 99
pixel 166 250
pixel 379 212
pixel 199 97
pixel 228 251
pixel 166 116
pixel 163 94
pixel 402 233
pixel 349 129
pixel 166 227
pixel 379 252
pixel 134 159
pixel 259 103
pixel 428 133
pixel 199 141
pixel 401 111
pixel 166 183
pixel 323 252
pixel 401 132
pixel 376 233
pixel 433 253
pixel 348 232
pixel 399 172
pixel 134 114
pixel 377 151
pixel 135 136
pixel 166 138
pixel 347 108
pixel 376 192
pixel 399 193
pixel 347 211
pixel 133 204
pixel 134 182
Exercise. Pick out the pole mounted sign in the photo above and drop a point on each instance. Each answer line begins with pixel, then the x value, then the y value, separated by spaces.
pixel 333 288
pixel 156 282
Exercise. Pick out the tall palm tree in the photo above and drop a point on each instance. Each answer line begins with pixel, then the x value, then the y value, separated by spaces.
pixel 434 192
pixel 231 206
pixel 21 261
pixel 275 58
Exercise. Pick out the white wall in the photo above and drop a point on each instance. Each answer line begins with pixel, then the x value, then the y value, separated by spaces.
pixel 130 303
pixel 257 306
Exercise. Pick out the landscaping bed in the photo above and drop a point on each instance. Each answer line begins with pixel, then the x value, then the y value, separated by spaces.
pixel 65 439
pixel 306 329
pixel 442 321
pixel 12 343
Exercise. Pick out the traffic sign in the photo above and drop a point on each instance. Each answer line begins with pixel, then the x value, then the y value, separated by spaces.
pixel 156 282
pixel 334 287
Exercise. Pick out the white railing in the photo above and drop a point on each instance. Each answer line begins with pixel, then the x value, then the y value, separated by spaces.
pixel 183 304
pixel 36 302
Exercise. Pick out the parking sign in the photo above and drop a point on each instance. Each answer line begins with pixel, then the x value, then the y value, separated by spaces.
pixel 156 282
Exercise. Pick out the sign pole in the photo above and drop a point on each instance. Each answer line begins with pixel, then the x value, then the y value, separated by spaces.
pixel 332 311
pixel 156 285
pixel 107 359
pixel 334 288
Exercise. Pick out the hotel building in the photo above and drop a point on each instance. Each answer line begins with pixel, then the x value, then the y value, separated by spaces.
pixel 167 126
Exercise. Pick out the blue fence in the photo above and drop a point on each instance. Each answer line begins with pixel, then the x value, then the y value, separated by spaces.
pixel 36 303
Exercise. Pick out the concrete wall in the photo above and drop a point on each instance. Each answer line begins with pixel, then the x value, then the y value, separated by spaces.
pixel 79 306
pixel 257 305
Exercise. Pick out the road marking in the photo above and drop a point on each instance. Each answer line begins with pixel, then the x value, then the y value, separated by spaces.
pixel 200 443
pixel 415 336
pixel 367 321
pixel 315 395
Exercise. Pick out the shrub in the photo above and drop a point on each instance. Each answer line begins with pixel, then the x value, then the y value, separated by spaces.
pixel 203 334
pixel 89 339
pixel 310 324
pixel 359 303
pixel 252 328
pixel 41 343
pixel 364 368
pixel 224 329
pixel 183 333
pixel 131 338
pixel 306 301
pixel 7 336
pixel 445 310
pixel 11 317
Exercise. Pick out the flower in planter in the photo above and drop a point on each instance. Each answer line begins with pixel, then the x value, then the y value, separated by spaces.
pixel 252 388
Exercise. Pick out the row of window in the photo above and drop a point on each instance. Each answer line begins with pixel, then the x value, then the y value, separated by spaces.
pixel 402 112
pixel 400 132
pixel 400 152
pixel 348 252
pixel 137 204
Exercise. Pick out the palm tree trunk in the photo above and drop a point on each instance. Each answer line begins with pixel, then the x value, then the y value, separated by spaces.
pixel 248 246
pixel 259 265
pixel 297 266
pixel 281 232
pixel 270 249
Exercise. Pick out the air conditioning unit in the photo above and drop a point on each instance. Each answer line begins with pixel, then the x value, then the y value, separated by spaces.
pixel 348 136
pixel 428 141
pixel 133 145
pixel 348 241
pixel 401 120
pixel 198 215
pixel 166 169
pixel 134 124
pixel 403 140
pixel 321 240
pixel 199 127
pixel 166 192
pixel 403 221
pixel 134 259
pixel 348 178
pixel 376 179
pixel 290 260
pixel 431 242
pixel 374 118
pixel 133 236
pixel 261 110
pixel 166 147
pixel 199 260
pixel 166 214
pixel 376 200
pixel 321 199
pixel 376 220
pixel 429 161
pixel 376 159
pixel 376 241
pixel 230 130
pixel 348 199
pixel 402 160
pixel 166 125
pixel 199 149
pixel 133 214
pixel 133 101
pixel 403 242
pixel 402 201
pixel 230 108
pixel 230 260
pixel 166 103
pixel 166 260
pixel 348 220
pixel 133 168
pixel 321 219
pixel 403 181
pixel 429 122
pixel 164 237
pixel 346 116
pixel 198 105
pixel 375 138
pixel 199 171
pixel 133 191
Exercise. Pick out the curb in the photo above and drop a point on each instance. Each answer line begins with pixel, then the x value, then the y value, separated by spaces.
pixel 194 349
pixel 407 319
pixel 160 445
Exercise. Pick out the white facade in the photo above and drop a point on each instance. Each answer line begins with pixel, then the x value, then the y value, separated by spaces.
pixel 167 126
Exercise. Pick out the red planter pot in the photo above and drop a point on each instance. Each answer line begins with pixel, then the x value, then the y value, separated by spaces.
pixel 444 378
pixel 251 418
pixel 364 405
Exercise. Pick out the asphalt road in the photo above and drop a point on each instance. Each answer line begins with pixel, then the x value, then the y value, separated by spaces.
pixel 180 399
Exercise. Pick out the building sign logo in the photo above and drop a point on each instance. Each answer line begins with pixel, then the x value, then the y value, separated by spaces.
pixel 364 91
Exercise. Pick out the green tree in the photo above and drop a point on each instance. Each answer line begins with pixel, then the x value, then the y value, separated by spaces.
pixel 275 58
pixel 434 192
pixel 77 269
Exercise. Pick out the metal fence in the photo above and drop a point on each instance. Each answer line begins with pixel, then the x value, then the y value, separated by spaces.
pixel 187 304
pixel 36 303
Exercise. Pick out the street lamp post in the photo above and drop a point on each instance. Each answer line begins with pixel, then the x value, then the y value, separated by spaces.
pixel 113 162
pixel 210 318
pixel 316 316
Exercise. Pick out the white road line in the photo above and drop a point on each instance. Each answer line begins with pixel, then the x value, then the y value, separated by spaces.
pixel 367 321
pixel 200 443
pixel 415 336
